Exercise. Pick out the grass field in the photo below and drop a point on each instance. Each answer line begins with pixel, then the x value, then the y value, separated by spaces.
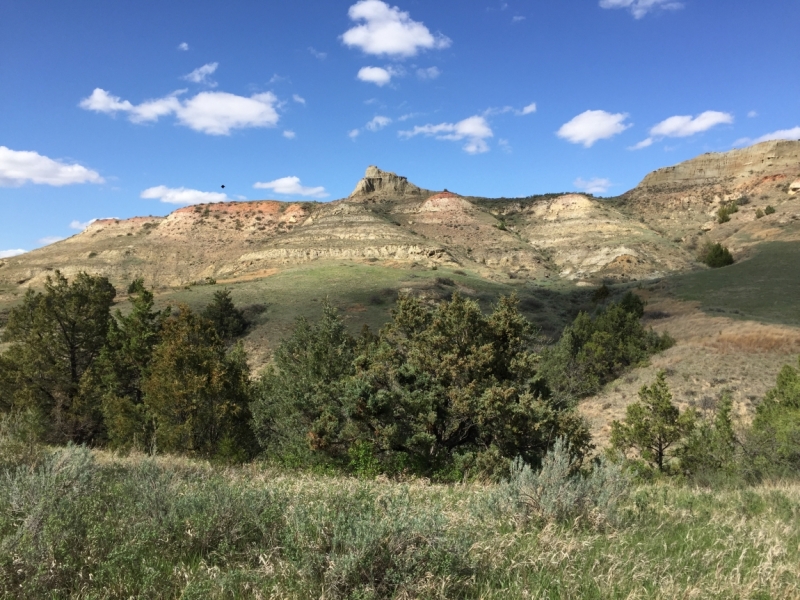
pixel 91 525
pixel 364 293
pixel 763 288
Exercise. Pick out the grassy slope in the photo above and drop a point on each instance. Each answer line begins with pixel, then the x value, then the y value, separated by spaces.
pixel 364 293
pixel 98 526
pixel 763 288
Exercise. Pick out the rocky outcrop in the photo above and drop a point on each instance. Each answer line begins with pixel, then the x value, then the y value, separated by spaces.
pixel 378 184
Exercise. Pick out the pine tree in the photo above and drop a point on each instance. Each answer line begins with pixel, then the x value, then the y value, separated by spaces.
pixel 228 320
pixel 653 425
pixel 56 336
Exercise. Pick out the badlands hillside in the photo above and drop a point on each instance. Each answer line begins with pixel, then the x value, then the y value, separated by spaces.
pixel 735 327
pixel 653 230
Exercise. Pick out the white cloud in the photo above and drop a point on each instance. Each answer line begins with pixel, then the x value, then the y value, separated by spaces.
pixel 289 134
pixel 429 73
pixel 504 145
pixel 77 225
pixel 299 99
pixel 10 253
pixel 378 123
pixel 596 185
pixel 645 143
pixel 214 113
pixel 517 19
pixel 20 166
pixel 200 74
pixel 50 239
pixel 182 195
pixel 593 125
pixel 386 30
pixel 377 75
pixel 353 133
pixel 317 54
pixel 475 130
pixel 531 108
pixel 291 186
pixel 783 134
pixel 183 46
pixel 752 114
pixel 639 8
pixel 684 126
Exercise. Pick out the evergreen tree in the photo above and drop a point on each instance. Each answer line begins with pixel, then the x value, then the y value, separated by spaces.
pixel 228 320
pixel 124 365
pixel 197 393
pixel 653 425
pixel 56 337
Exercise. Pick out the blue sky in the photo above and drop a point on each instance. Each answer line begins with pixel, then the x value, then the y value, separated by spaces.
pixel 117 109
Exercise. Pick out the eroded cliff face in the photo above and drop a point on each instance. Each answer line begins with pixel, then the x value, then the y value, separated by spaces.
pixel 650 231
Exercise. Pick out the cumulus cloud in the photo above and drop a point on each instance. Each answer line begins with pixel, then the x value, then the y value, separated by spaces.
pixel 684 126
pixel 289 134
pixel 50 239
pixel 386 30
pixel 429 73
pixel 183 46
pixel 377 75
pixel 378 123
pixel 214 113
pixel 182 195
pixel 783 134
pixel 20 166
pixel 291 186
pixel 526 110
pixel 80 226
pixel 475 130
pixel 639 8
pixel 10 253
pixel 593 125
pixel 201 74
pixel 596 185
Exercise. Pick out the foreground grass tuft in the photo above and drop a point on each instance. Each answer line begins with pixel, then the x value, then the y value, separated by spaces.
pixel 80 524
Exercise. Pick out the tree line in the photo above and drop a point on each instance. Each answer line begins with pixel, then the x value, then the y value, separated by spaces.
pixel 443 391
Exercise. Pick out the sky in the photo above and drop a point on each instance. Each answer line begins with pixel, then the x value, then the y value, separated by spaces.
pixel 139 107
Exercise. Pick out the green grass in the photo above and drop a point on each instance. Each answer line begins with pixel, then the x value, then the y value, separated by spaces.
pixel 764 288
pixel 365 293
pixel 91 525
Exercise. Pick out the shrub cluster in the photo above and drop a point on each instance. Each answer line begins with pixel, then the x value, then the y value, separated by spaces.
pixel 726 210
pixel 716 256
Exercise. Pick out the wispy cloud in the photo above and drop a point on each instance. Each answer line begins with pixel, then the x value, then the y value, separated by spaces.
pixel 50 239
pixel 289 134
pixel 596 185
pixel 291 186
pixel 183 46
pixel 782 134
pixel 317 54
pixel 592 126
pixel 201 75
pixel 684 126
pixel 387 31
pixel 182 195
pixel 475 130
pixel 639 8
pixel 214 113
pixel 18 167
pixel 11 253
pixel 429 73
pixel 299 99
pixel 378 123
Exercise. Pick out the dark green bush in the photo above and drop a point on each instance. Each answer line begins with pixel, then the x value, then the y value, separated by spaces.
pixel 716 256
pixel 595 350
pixel 725 211
pixel 769 210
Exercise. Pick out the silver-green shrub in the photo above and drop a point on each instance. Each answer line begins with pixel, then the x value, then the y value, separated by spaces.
pixel 559 493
